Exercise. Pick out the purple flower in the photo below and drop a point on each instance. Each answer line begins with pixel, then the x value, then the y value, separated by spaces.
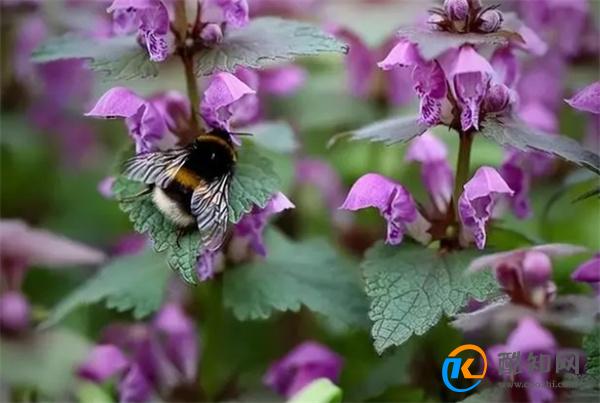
pixel 359 63
pixel 282 80
pixel 129 244
pixel 146 358
pixel 211 35
pixel 518 180
pixel 436 174
pixel 470 75
pixel 457 10
pixel 394 203
pixel 528 339
pixel 222 100
pixel 321 175
pixel 526 274
pixel 252 225
pixel 428 77
pixel 15 313
pixel 149 121
pixel 588 99
pixel 301 366
pixel 477 201
pixel 589 272
pixel 231 12
pixel 105 187
pixel 102 363
pixel 491 20
pixel 207 265
pixel 150 17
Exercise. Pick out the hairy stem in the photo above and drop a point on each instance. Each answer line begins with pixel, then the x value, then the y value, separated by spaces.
pixel 462 168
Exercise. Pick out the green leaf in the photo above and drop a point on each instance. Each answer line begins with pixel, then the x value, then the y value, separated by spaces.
pixel 320 390
pixel 591 346
pixel 308 273
pixel 45 361
pixel 117 58
pixel 389 131
pixel 263 41
pixel 129 283
pixel 433 43
pixel 253 183
pixel 411 287
pixel 275 136
pixel 512 133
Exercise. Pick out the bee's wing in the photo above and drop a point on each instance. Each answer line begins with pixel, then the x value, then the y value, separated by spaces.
pixel 210 204
pixel 157 168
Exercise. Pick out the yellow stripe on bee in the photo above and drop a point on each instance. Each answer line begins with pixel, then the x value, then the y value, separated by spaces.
pixel 187 178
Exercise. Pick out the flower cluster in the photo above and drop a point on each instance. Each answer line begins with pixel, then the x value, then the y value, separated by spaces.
pixel 466 16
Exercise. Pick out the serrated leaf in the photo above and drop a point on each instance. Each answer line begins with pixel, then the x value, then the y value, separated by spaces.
pixel 516 134
pixel 253 183
pixel 45 361
pixel 117 58
pixel 264 41
pixel 389 131
pixel 433 43
pixel 411 287
pixel 308 273
pixel 129 283
pixel 275 136
pixel 591 346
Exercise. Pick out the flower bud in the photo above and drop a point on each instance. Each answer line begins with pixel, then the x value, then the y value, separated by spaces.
pixel 537 269
pixel 434 22
pixel 497 98
pixel 211 34
pixel 491 20
pixel 14 312
pixel 457 10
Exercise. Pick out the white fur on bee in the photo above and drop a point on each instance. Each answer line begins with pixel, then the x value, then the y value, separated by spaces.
pixel 171 209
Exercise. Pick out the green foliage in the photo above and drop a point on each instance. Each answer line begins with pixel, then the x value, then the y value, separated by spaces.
pixel 44 361
pixel 320 390
pixel 591 346
pixel 509 132
pixel 433 43
pixel 264 41
pixel 389 131
pixel 253 183
pixel 116 58
pixel 410 287
pixel 277 136
pixel 293 274
pixel 130 283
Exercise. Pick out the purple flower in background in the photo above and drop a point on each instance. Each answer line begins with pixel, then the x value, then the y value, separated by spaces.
pixel 428 77
pixel 587 99
pixel 589 272
pixel 477 201
pixel 281 80
pixel 436 173
pixel 223 98
pixel 15 313
pixel 147 359
pixel 394 203
pixel 207 265
pixel 150 18
pixel 526 274
pixel 232 12
pixel 149 121
pixel 321 175
pixel 105 187
pixel 529 339
pixel 130 244
pixel 305 363
pixel 518 180
pixel 252 225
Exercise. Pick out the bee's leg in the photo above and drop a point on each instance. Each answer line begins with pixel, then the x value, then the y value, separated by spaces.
pixel 129 199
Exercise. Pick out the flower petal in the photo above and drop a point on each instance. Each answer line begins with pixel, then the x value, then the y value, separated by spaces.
pixel 117 102
pixel 223 91
pixel 102 363
pixel 232 12
pixel 588 99
pixel 529 336
pixel 476 203
pixel 360 63
pixel 426 148
pixel 282 80
pixel 134 387
pixel 589 271
pixel 404 54
pixel 15 313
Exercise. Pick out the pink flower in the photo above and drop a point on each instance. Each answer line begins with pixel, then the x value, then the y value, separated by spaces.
pixel 587 99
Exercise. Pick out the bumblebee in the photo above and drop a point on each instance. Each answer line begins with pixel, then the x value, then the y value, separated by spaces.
pixel 190 185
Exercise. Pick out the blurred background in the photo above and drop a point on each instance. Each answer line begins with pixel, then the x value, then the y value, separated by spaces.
pixel 53 161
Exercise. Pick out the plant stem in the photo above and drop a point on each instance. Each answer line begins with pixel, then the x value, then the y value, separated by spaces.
pixel 462 167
